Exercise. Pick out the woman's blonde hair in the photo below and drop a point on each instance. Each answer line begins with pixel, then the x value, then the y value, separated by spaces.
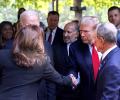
pixel 28 47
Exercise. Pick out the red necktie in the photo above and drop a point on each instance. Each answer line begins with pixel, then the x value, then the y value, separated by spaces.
pixel 95 61
pixel 50 37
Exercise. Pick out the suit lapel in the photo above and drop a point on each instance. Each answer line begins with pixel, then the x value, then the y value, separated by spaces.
pixel 55 37
pixel 58 36
pixel 106 59
pixel 83 55
pixel 88 59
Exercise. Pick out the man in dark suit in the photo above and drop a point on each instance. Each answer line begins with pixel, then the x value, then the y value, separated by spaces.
pixel 118 38
pixel 22 68
pixel 53 34
pixel 81 53
pixel 32 18
pixel 108 80
pixel 62 62
pixel 114 18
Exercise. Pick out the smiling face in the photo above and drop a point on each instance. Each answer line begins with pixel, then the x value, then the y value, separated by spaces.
pixel 114 17
pixel 70 34
pixel 7 31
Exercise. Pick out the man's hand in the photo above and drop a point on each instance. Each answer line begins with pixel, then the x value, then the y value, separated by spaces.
pixel 74 80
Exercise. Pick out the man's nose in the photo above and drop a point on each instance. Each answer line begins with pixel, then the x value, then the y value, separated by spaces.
pixel 82 34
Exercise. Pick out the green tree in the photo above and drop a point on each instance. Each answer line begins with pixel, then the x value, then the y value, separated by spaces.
pixel 9 8
pixel 99 7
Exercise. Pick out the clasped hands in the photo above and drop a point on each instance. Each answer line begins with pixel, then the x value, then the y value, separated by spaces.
pixel 75 81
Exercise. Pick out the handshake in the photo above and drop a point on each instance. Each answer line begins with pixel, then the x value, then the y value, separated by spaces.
pixel 75 81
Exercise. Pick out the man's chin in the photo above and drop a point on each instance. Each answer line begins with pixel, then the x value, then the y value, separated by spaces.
pixel 66 41
pixel 84 41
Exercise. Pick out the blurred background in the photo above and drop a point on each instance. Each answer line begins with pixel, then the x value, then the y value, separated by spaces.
pixel 68 9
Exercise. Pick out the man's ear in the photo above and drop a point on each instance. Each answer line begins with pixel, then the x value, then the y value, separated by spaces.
pixel 102 40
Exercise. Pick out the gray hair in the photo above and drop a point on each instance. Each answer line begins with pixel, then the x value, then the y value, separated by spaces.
pixel 75 24
pixel 108 31
pixel 90 20
pixel 30 14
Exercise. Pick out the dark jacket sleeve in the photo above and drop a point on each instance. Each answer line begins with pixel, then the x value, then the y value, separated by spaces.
pixel 111 86
pixel 49 51
pixel 51 74
pixel 118 38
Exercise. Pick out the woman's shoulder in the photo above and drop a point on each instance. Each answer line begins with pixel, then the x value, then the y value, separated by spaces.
pixel 5 52
pixel 5 56
pixel 46 61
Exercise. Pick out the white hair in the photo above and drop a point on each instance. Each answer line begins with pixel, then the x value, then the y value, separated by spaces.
pixel 87 20
pixel 30 17
pixel 29 13
pixel 108 31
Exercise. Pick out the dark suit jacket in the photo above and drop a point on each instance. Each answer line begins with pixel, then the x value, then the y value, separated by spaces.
pixel 118 38
pixel 58 39
pixel 64 66
pixel 81 57
pixel 19 83
pixel 108 80
pixel 49 51
pixel 62 61
pixel 47 88
pixel 58 36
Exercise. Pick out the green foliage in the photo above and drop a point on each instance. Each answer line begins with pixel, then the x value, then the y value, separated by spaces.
pixel 9 8
pixel 99 7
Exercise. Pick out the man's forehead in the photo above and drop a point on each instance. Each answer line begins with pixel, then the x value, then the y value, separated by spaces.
pixel 114 11
pixel 30 21
pixel 86 25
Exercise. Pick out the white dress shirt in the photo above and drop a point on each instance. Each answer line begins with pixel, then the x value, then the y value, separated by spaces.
pixel 68 46
pixel 106 52
pixel 53 34
pixel 99 53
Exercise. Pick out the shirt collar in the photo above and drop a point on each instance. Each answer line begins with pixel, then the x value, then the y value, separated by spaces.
pixel 54 30
pixel 106 52
pixel 99 53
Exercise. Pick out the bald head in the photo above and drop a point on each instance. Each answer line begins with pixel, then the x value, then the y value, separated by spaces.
pixel 29 17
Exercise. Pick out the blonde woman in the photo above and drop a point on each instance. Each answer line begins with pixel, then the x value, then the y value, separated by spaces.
pixel 18 82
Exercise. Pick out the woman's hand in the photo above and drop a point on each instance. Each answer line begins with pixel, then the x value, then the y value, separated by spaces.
pixel 74 80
